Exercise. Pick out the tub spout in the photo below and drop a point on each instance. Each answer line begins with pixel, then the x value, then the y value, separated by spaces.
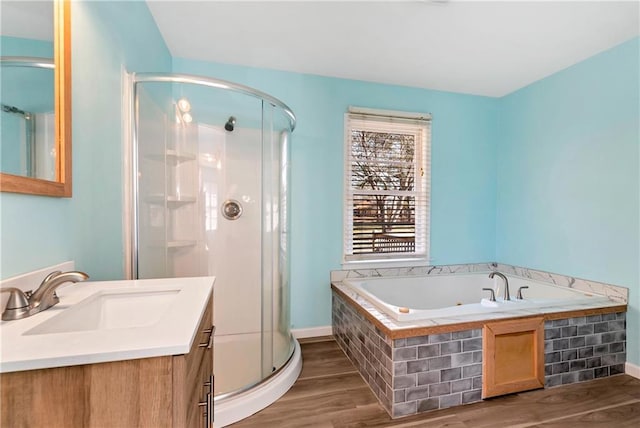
pixel 506 284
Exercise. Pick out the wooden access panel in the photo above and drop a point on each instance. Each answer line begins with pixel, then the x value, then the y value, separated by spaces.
pixel 513 356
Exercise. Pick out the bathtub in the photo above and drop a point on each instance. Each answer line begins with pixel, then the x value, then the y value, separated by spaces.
pixel 426 297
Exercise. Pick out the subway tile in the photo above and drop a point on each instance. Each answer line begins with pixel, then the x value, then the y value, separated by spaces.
pixel 418 340
pixel 548 346
pixel 616 369
pixel 453 374
pixel 471 396
pixel 601 372
pixel 438 389
pixel 552 333
pixel 401 382
pixel 608 337
pixel 601 327
pixel 584 329
pixel 472 370
pixel 404 409
pixel 403 354
pixel 571 377
pixel 461 385
pixel 477 356
pixel 472 344
pixel 418 392
pixel 548 324
pixel 399 343
pixel 552 357
pixel 617 325
pixel 476 333
pixel 426 378
pixel 560 344
pixel 386 349
pixel 561 323
pixel 593 339
pixel 608 359
pixel 450 347
pixel 398 396
pixel 569 331
pixel 554 380
pixel 428 351
pixel 608 317
pixel 621 357
pixel 577 320
pixel 399 368
pixel 428 404
pixel 620 336
pixel 593 362
pixel 548 369
pixel 417 366
pixel 577 365
pixel 560 368
pixel 450 400
pixel 440 363
pixel 594 318
pixel 577 342
pixel 437 338
pixel 462 359
pixel 569 355
pixel 465 334
pixel 585 375
pixel 600 349
pixel 477 382
pixel 621 315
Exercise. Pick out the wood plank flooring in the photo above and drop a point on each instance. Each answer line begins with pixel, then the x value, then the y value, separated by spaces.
pixel 331 394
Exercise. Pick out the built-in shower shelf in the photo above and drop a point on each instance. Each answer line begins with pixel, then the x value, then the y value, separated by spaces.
pixel 172 200
pixel 180 244
pixel 173 156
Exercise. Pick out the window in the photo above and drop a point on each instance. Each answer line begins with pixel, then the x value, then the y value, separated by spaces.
pixel 387 179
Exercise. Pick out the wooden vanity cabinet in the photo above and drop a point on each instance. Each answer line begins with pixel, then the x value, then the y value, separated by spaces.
pixel 169 391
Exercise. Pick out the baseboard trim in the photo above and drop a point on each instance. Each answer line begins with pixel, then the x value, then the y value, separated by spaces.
pixel 301 333
pixel 632 370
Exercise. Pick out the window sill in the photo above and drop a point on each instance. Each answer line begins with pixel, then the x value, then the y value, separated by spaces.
pixel 380 264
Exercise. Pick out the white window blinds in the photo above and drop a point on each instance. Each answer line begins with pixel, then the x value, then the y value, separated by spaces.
pixel 387 182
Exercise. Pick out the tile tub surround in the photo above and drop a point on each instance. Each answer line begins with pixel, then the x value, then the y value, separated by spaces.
pixel 584 348
pixel 412 375
pixel 613 292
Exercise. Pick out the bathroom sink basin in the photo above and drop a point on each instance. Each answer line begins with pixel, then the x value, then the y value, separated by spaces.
pixel 108 310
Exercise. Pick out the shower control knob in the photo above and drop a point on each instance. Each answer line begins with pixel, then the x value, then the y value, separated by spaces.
pixel 231 209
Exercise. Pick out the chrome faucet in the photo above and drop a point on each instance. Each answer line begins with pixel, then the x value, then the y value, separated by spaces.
pixel 24 304
pixel 506 284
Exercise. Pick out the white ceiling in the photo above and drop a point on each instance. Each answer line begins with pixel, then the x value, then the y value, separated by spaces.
pixel 484 48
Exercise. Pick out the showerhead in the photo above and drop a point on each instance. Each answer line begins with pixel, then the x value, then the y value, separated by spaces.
pixel 231 123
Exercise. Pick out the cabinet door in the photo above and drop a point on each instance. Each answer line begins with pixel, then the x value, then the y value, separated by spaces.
pixel 513 356
pixel 191 377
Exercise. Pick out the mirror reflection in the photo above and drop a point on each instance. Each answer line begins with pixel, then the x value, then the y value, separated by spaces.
pixel 27 78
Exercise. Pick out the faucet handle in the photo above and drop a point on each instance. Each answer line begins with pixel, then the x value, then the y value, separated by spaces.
pixel 519 295
pixel 17 305
pixel 17 298
pixel 493 294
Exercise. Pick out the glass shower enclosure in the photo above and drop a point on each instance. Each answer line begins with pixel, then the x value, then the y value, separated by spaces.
pixel 211 198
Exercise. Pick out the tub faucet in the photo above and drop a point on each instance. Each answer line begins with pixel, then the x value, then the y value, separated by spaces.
pixel 24 304
pixel 506 284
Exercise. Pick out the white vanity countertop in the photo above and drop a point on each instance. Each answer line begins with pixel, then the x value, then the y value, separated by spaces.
pixel 172 334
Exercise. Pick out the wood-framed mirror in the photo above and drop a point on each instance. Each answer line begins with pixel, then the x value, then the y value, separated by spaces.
pixel 61 182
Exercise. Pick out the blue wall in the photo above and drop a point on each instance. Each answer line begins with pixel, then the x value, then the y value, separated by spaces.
pixel 568 191
pixel 555 166
pixel 40 231
pixel 463 178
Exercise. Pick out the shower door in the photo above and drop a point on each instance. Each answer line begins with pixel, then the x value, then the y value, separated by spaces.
pixel 212 200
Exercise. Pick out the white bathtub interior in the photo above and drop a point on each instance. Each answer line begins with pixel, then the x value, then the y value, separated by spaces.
pixel 419 297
